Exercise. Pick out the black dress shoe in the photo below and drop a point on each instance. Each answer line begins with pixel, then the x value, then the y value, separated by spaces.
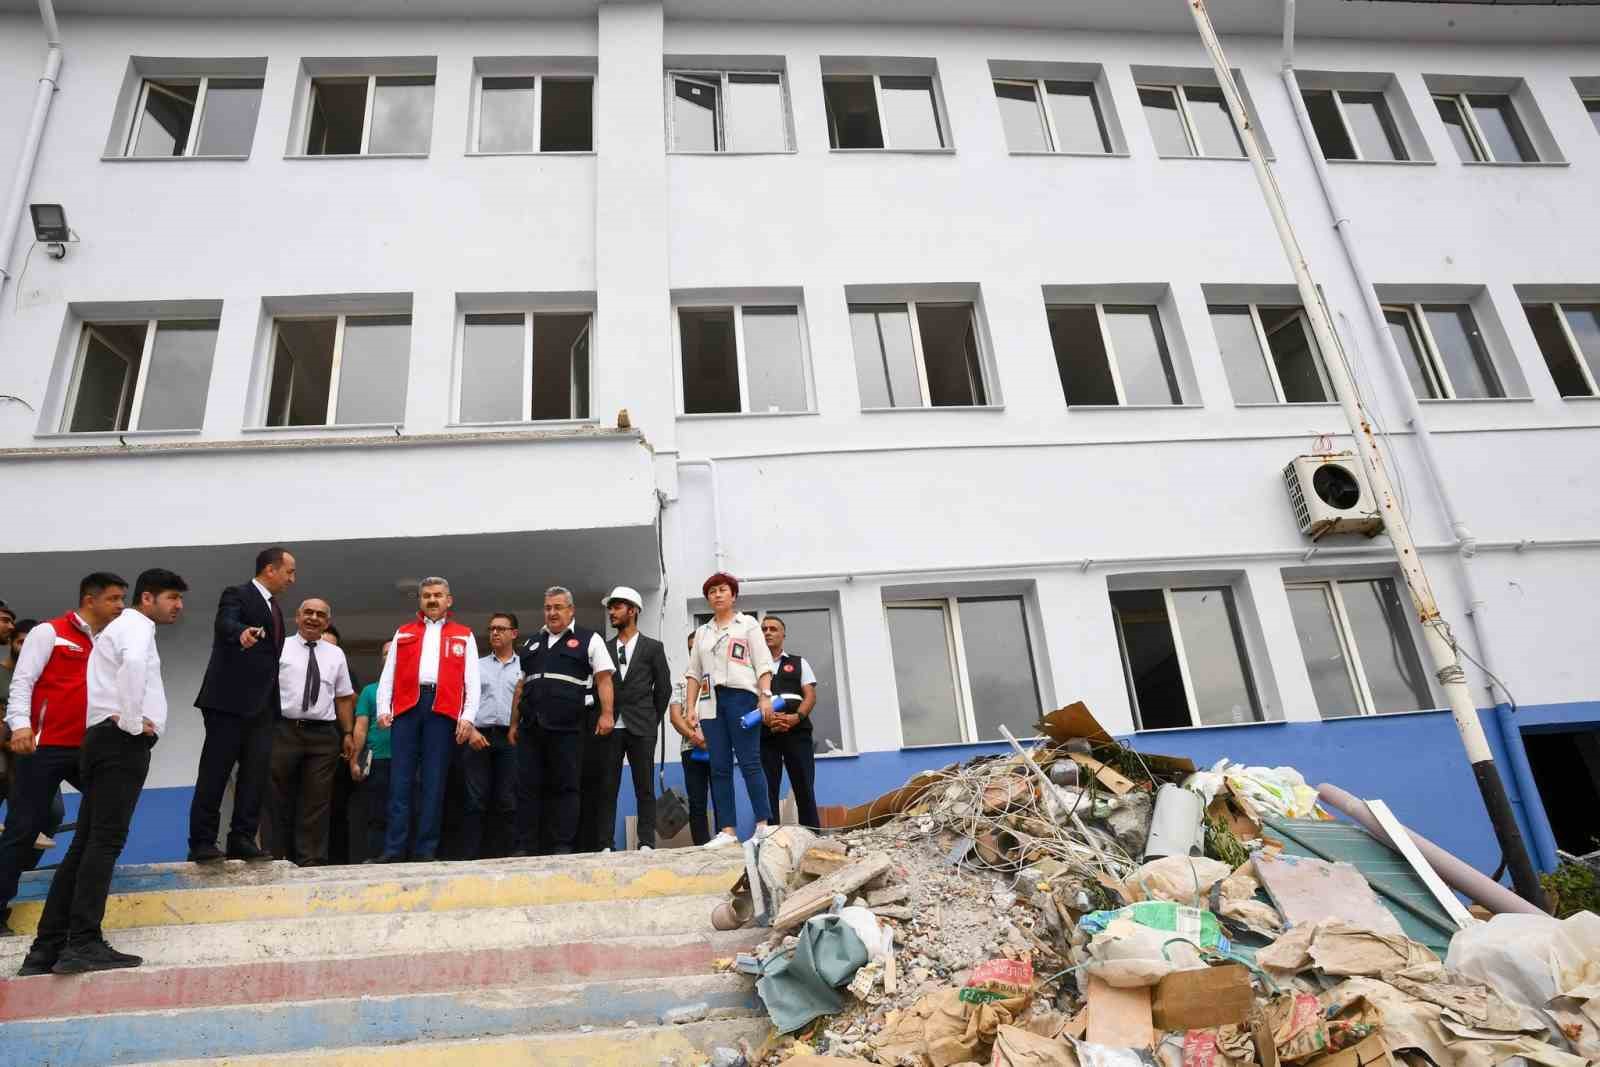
pixel 38 961
pixel 205 854
pixel 249 851
pixel 95 956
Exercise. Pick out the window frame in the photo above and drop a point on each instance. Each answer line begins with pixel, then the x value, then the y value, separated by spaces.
pixel 1241 646
pixel 935 93
pixel 528 317
pixel 1053 135
pixel 1355 669
pixel 132 395
pixel 721 77
pixel 1571 339
pixel 1591 107
pixel 923 389
pixel 1350 131
pixel 191 148
pixel 738 307
pixel 1433 367
pixel 335 363
pixel 1180 92
pixel 366 119
pixel 478 78
pixel 1264 341
pixel 1462 102
pixel 1111 351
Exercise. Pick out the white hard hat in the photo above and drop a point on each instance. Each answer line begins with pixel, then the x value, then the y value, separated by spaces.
pixel 624 592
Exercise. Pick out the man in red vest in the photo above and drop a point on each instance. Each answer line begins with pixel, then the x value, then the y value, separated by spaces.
pixel 46 711
pixel 428 699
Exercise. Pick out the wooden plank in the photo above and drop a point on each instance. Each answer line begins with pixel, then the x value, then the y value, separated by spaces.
pixel 1401 841
pixel 1311 890
pixel 816 898
pixel 820 861
pixel 1108 776
pixel 1120 1018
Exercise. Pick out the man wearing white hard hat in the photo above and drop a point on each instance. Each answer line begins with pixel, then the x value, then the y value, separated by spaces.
pixel 643 689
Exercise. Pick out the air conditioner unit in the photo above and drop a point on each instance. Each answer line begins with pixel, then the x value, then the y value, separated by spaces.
pixel 1330 494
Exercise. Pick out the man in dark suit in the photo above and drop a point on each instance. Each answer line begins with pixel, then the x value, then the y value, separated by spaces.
pixel 643 689
pixel 238 701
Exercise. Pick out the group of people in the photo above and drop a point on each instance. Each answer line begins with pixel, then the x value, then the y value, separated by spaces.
pixel 535 732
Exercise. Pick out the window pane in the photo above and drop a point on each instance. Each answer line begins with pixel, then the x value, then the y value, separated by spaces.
pixel 1166 124
pixel 105 381
pixel 372 369
pixel 910 113
pixel 924 676
pixel 1462 351
pixel 1383 641
pixel 1213 125
pixel 710 361
pixel 772 358
pixel 1140 350
pixel 338 111
pixel 809 633
pixel 1558 354
pixel 180 373
pixel 1076 111
pixel 228 125
pixel 1021 117
pixel 1323 651
pixel 1213 649
pixel 505 115
pixel 1373 125
pixel 1594 112
pixel 950 355
pixel 561 366
pixel 1150 660
pixel 1456 126
pixel 1503 131
pixel 302 366
pixel 1325 120
pixel 1584 321
pixel 1081 354
pixel 694 115
pixel 1005 689
pixel 886 362
pixel 852 113
pixel 754 112
pixel 402 116
pixel 566 116
pixel 491 368
pixel 1294 353
pixel 1406 339
pixel 1242 358
pixel 168 113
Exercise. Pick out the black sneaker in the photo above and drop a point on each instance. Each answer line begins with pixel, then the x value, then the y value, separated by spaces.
pixel 205 854
pixel 95 956
pixel 240 848
pixel 5 923
pixel 38 961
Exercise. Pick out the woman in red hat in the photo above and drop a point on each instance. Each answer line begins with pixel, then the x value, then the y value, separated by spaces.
pixel 731 656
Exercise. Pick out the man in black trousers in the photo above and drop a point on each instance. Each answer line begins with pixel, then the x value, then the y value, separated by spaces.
pixel 642 690
pixel 237 700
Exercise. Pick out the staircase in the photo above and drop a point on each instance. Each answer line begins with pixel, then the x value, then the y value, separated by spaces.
pixel 550 961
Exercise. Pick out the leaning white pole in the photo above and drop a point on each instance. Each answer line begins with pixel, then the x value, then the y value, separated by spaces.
pixel 1447 668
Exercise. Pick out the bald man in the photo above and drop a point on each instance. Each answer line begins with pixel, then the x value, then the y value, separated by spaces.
pixel 315 731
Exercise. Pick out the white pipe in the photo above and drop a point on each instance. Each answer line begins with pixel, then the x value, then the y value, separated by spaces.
pixel 12 219
pixel 716 508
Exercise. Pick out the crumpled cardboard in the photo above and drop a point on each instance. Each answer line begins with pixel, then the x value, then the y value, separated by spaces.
pixel 1190 880
pixel 1343 949
pixel 1298 1027
pixel 1016 1047
pixel 940 1029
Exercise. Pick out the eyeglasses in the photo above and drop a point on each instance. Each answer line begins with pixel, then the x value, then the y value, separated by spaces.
pixel 502 629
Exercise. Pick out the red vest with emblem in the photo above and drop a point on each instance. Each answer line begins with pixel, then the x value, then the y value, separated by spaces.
pixel 61 694
pixel 450 688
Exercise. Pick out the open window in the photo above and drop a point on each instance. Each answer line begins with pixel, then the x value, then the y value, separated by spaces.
pixel 891 104
pixel 727 111
pixel 1568 333
pixel 1445 353
pixel 1112 354
pixel 524 366
pixel 519 109
pixel 742 358
pixel 918 355
pixel 338 370
pixel 366 113
pixel 1358 646
pixel 141 375
pixel 1492 119
pixel 200 116
pixel 1270 354
pixel 1184 658
pixel 1190 120
pixel 1049 115
pixel 1355 124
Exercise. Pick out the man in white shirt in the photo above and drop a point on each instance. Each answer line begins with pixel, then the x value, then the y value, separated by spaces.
pixel 315 730
pixel 127 714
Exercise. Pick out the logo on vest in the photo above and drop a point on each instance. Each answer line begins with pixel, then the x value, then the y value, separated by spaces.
pixel 458 648
pixel 788 668
pixel 572 642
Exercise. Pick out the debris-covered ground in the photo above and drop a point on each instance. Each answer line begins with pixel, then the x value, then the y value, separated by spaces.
pixel 1077 904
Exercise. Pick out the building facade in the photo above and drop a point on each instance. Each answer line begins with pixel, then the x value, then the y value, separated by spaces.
pixel 962 336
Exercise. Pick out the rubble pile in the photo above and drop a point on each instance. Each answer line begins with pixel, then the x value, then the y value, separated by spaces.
pixel 1079 904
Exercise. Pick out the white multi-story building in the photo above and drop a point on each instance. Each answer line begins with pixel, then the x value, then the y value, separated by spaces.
pixel 959 332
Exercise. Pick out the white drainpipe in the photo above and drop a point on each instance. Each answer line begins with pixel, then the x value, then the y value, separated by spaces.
pixel 30 142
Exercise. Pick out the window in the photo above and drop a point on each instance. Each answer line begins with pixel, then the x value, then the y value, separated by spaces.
pixel 1358 647
pixel 917 355
pixel 1270 355
pixel 1569 337
pixel 1190 120
pixel 535 113
pixel 742 358
pixel 339 370
pixel 1354 125
pixel 1443 350
pixel 963 668
pixel 1593 105
pixel 374 115
pixel 146 375
pixel 1052 116
pixel 205 116
pixel 1485 128
pixel 524 366
pixel 727 111
pixel 882 111
pixel 1111 354
pixel 1183 658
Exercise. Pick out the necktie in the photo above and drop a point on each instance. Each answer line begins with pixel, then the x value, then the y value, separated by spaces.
pixel 313 678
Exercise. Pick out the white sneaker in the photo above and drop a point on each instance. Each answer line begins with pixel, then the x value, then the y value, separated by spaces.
pixel 646 848
pixel 722 840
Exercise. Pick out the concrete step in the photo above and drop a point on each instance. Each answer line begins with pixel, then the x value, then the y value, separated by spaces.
pixel 643 1046
pixel 191 894
pixel 128 1037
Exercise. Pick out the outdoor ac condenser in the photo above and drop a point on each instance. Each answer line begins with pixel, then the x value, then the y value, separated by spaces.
pixel 1329 494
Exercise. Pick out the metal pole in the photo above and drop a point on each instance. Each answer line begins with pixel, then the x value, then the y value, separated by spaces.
pixel 43 94
pixel 1447 668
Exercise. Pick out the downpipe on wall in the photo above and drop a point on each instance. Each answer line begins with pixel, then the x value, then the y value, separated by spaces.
pixel 23 178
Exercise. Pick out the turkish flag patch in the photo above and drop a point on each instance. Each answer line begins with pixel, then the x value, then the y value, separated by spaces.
pixel 572 642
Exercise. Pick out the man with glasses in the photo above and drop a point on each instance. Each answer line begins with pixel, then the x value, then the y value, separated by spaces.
pixel 489 761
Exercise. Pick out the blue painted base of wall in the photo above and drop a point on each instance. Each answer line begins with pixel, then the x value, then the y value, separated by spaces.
pixel 1414 762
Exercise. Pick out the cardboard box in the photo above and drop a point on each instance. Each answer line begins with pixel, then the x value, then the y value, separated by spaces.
pixel 1201 999
pixel 1369 1052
